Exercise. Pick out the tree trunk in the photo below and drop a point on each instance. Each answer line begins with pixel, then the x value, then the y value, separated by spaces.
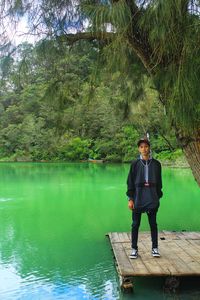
pixel 191 149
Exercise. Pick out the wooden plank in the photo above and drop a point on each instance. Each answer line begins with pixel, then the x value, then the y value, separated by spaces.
pixel 123 262
pixel 170 250
pixel 177 260
pixel 122 237
pixel 127 246
pixel 165 259
pixel 193 265
pixel 129 235
pixel 192 235
pixel 150 262
pixel 195 243
pixel 172 235
pixel 114 237
pixel 137 264
pixel 126 237
pixel 191 256
pixel 143 234
pixel 186 247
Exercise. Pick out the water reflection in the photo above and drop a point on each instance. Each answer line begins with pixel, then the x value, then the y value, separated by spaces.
pixel 55 286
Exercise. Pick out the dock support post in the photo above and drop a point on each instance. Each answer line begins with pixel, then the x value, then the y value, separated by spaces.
pixel 171 284
pixel 126 283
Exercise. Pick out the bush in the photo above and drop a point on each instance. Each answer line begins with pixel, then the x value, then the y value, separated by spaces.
pixel 74 149
pixel 127 143
pixel 118 148
pixel 114 157
pixel 104 148
pixel 169 155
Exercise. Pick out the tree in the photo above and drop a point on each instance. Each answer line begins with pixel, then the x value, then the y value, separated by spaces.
pixel 164 35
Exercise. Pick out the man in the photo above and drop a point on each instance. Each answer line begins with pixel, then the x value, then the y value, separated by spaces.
pixel 144 191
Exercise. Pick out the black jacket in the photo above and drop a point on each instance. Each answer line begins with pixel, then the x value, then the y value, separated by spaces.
pixel 145 198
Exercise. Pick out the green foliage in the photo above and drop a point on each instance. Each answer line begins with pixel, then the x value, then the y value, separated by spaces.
pixel 52 108
pixel 128 138
pixel 120 147
pixel 170 31
pixel 169 155
pixel 74 149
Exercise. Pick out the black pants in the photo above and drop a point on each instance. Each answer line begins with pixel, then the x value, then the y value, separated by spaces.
pixel 136 216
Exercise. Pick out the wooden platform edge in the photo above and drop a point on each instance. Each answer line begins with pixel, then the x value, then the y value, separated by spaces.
pixel 180 264
pixel 120 253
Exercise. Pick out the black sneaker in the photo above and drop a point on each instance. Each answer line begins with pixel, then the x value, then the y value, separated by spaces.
pixel 155 252
pixel 134 253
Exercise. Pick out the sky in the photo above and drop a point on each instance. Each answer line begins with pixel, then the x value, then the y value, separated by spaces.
pixel 20 34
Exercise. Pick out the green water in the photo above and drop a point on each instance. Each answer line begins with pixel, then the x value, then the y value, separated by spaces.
pixel 53 221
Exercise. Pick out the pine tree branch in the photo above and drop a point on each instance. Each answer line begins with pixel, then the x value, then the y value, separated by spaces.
pixel 89 36
pixel 138 39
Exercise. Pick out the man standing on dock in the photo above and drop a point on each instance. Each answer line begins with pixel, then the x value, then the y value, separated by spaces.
pixel 144 191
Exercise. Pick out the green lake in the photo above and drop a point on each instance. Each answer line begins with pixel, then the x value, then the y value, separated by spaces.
pixel 53 221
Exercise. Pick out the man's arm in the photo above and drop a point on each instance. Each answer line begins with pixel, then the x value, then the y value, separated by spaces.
pixel 131 204
pixel 159 183
pixel 131 186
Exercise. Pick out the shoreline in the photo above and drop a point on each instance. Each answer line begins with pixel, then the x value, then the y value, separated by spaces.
pixel 165 163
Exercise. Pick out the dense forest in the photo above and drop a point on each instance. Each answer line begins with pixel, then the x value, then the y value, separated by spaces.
pixel 62 103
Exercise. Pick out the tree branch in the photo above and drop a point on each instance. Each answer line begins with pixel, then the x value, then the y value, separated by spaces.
pixel 90 36
pixel 107 37
pixel 137 38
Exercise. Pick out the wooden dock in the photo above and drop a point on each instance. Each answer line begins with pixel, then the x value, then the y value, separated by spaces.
pixel 180 256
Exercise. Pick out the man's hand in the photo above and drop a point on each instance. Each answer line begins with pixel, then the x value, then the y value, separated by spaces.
pixel 131 204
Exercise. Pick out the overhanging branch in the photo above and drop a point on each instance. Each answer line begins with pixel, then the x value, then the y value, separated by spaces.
pixel 89 36
pixel 107 37
pixel 137 38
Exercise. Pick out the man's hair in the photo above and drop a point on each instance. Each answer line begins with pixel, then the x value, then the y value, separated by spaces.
pixel 143 140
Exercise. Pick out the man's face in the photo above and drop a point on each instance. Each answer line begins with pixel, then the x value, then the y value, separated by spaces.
pixel 144 149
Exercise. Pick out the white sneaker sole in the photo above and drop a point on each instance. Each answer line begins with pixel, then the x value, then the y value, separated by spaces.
pixel 133 257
